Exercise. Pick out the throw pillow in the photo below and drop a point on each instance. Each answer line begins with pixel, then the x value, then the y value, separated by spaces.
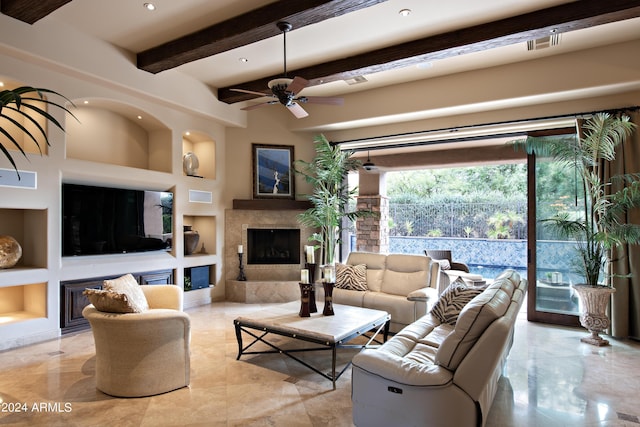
pixel 444 264
pixel 452 301
pixel 352 277
pixel 107 301
pixel 128 286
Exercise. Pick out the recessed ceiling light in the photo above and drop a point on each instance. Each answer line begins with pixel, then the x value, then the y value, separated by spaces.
pixel 187 133
pixel 86 102
pixel 243 60
pixel 405 12
pixel 149 6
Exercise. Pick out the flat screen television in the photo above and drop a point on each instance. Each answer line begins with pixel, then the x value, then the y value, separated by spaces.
pixel 102 220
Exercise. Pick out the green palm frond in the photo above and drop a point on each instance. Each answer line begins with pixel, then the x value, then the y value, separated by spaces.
pixel 19 103
pixel 606 203
pixel 327 173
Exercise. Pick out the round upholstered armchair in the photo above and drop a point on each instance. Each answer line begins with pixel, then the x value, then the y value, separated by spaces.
pixel 142 353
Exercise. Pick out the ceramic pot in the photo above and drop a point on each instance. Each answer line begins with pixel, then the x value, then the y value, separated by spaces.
pixel 10 251
pixel 594 301
pixel 191 239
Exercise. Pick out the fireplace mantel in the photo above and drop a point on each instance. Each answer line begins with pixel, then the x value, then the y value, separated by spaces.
pixel 271 204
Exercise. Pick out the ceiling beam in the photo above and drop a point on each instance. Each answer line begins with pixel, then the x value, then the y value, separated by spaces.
pixel 30 11
pixel 251 27
pixel 563 18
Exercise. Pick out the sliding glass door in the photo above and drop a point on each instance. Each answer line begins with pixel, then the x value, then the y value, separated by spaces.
pixel 552 190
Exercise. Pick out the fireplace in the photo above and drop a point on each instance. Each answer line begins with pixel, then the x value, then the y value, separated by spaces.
pixel 273 246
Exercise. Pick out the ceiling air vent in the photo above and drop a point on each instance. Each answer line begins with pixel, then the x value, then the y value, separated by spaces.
pixel 544 42
pixel 356 80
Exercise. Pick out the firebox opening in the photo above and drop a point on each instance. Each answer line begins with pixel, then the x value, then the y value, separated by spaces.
pixel 273 246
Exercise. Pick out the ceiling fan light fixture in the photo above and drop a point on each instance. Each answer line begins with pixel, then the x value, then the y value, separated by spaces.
pixel 369 165
pixel 283 81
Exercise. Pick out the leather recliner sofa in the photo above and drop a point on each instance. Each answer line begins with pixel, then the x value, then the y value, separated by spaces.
pixel 436 374
pixel 405 286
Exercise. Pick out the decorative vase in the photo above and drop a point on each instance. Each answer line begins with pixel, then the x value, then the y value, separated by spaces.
pixel 10 251
pixel 191 239
pixel 190 164
pixel 594 301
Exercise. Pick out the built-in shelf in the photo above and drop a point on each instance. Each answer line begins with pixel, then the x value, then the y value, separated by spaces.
pixel 23 302
pixel 104 136
pixel 29 228
pixel 206 227
pixel 205 150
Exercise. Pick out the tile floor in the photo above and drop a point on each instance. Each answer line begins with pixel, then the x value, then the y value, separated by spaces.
pixel 551 380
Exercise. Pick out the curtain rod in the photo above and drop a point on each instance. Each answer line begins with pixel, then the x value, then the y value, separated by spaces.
pixel 453 130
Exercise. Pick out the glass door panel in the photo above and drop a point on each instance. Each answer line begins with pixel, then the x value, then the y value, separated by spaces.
pixel 552 190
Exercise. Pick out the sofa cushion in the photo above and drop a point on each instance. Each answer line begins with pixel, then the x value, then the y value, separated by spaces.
pixel 402 310
pixel 128 286
pixel 353 277
pixel 348 297
pixel 474 318
pixel 452 301
pixel 108 302
pixel 405 273
pixel 376 265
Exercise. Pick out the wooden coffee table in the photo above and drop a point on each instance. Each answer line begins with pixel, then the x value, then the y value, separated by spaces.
pixel 329 332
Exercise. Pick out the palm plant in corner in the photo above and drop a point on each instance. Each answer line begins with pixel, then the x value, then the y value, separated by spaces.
pixel 18 112
pixel 331 195
pixel 601 226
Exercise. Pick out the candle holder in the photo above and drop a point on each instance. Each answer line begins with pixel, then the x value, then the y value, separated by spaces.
pixel 312 294
pixel 305 293
pixel 328 299
pixel 241 276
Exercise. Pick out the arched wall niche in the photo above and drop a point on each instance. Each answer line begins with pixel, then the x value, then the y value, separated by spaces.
pixel 113 132
pixel 203 146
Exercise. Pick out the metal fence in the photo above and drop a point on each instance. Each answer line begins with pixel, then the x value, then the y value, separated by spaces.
pixel 490 220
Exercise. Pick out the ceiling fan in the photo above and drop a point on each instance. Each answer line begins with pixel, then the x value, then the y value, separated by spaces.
pixel 286 91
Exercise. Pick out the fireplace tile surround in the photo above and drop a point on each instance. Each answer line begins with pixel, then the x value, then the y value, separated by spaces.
pixel 265 282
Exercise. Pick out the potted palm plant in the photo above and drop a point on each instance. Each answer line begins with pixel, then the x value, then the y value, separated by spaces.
pixel 601 225
pixel 18 112
pixel 331 195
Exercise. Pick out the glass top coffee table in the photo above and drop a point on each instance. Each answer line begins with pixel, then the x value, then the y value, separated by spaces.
pixel 329 332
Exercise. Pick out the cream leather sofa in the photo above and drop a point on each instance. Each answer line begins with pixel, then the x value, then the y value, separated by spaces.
pixel 433 374
pixel 143 354
pixel 405 286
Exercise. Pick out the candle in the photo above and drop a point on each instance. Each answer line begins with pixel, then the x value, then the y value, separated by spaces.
pixel 328 275
pixel 310 254
pixel 240 249
pixel 304 275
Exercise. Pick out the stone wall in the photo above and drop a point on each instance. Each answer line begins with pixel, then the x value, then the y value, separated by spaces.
pixel 372 232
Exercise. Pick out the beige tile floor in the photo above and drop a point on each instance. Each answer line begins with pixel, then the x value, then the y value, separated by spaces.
pixel 551 380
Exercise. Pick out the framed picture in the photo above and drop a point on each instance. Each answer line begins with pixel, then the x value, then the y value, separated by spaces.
pixel 272 175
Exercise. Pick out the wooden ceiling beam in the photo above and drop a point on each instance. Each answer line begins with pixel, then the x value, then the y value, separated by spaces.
pixel 563 18
pixel 253 26
pixel 30 11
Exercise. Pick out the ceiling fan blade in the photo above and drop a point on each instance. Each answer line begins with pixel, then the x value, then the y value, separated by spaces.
pixel 262 104
pixel 297 85
pixel 251 92
pixel 297 110
pixel 321 100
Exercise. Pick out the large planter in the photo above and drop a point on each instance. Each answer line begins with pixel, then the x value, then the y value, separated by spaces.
pixel 594 301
